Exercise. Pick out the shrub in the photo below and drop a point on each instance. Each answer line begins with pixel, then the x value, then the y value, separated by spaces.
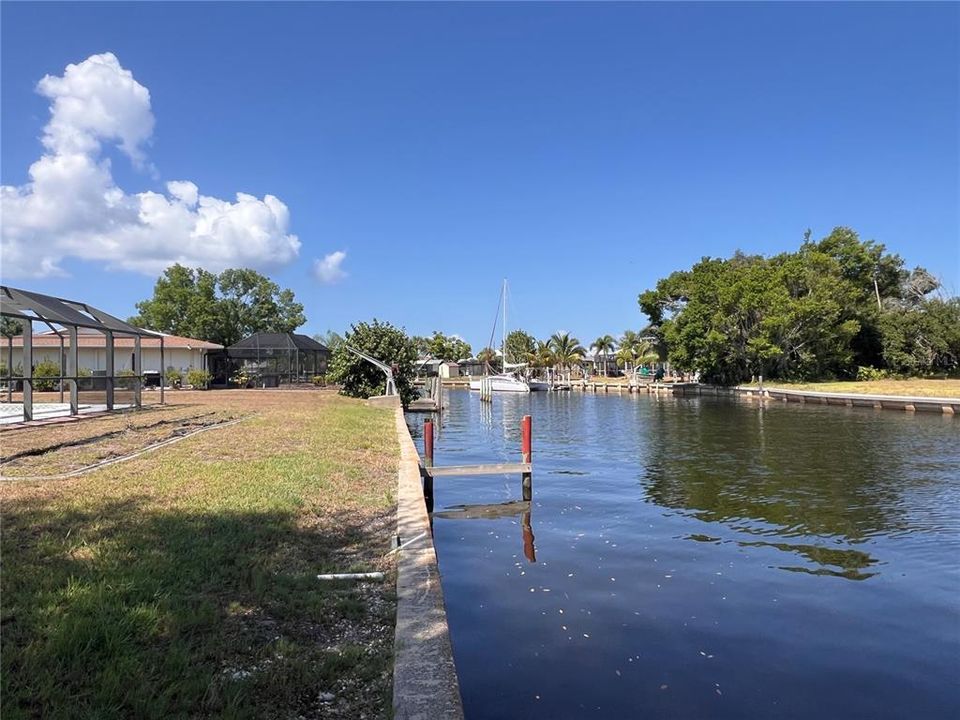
pixel 45 370
pixel 390 345
pixel 319 380
pixel 84 372
pixel 174 377
pixel 199 379
pixel 865 374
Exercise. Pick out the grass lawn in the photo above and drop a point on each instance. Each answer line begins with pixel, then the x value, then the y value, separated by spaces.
pixel 917 387
pixel 183 583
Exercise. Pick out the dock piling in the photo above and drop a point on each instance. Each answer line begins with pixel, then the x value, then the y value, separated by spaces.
pixel 428 461
pixel 526 453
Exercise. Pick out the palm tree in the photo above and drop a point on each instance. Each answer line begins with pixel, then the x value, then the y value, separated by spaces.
pixel 566 349
pixel 653 334
pixel 542 355
pixel 629 342
pixel 646 352
pixel 603 345
pixel 625 357
pixel 488 356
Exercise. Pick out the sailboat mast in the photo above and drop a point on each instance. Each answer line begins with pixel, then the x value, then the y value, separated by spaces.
pixel 503 346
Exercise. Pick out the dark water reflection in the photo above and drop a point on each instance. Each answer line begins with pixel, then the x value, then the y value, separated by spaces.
pixel 702 558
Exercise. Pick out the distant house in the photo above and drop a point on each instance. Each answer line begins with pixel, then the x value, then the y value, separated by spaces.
pixel 182 353
pixel 427 367
pixel 449 369
pixel 470 366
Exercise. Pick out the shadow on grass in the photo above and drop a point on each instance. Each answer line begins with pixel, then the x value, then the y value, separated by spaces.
pixel 122 609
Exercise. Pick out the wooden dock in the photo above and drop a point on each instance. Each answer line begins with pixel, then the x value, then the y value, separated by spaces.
pixel 427 405
pixel 488 469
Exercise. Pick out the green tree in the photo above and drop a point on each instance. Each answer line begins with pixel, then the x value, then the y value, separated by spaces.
pixel 330 338
pixel 218 308
pixel 250 302
pixel 488 356
pixel 443 347
pixel 388 344
pixel 567 350
pixel 634 350
pixel 520 346
pixel 184 303
pixel 923 338
pixel 542 356
pixel 625 358
pixel 604 345
pixel 805 315
pixel 10 327
pixel 422 344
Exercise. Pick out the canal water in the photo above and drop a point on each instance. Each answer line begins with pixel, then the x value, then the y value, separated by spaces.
pixel 701 558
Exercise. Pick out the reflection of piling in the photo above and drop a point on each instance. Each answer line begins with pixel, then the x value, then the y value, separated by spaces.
pixel 529 551
pixel 526 451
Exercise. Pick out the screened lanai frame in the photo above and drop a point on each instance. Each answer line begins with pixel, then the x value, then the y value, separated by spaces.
pixel 65 318
pixel 288 357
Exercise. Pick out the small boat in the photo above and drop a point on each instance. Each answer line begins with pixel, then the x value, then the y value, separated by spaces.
pixel 538 385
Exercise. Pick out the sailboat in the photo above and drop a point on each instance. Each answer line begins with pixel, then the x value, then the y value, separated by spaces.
pixel 505 381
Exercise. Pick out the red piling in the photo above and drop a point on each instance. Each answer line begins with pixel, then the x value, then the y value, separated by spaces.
pixel 526 448
pixel 526 452
pixel 428 441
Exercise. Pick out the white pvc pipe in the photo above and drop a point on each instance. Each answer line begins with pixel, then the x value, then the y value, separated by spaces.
pixel 408 542
pixel 352 576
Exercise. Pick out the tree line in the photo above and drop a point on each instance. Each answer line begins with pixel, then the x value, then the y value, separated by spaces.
pixel 222 308
pixel 838 308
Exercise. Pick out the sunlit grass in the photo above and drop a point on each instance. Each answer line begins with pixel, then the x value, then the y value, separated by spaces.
pixel 183 582
pixel 917 387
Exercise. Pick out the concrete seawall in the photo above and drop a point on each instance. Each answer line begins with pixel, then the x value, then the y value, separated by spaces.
pixel 946 406
pixel 424 676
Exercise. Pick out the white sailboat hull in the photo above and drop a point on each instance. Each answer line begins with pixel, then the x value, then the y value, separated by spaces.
pixel 502 383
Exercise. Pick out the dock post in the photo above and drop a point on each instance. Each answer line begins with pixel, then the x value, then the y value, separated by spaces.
pixel 428 461
pixel 428 441
pixel 526 451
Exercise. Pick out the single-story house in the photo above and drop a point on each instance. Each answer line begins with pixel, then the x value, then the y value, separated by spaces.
pixel 182 353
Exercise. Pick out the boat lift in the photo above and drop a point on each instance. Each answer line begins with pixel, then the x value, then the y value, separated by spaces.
pixel 391 385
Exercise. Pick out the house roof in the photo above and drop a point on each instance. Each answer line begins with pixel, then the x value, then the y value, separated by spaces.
pixel 264 341
pixel 97 340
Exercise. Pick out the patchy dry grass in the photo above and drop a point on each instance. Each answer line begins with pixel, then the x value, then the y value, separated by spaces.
pixel 66 446
pixel 183 582
pixel 915 387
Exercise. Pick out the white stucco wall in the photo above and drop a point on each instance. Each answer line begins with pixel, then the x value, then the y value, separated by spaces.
pixel 96 358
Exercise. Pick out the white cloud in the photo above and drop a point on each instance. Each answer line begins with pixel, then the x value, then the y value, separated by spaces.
pixel 328 270
pixel 71 206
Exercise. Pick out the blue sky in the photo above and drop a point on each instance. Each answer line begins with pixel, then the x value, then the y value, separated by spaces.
pixel 581 150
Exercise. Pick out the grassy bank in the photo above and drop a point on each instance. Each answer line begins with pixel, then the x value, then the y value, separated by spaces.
pixel 915 387
pixel 183 582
